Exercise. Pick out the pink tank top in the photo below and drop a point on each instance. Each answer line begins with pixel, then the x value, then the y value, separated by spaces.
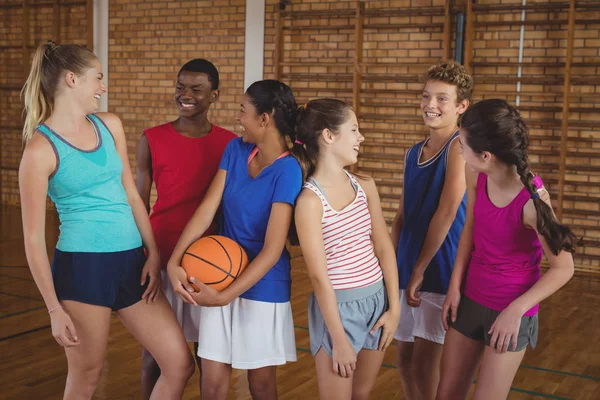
pixel 506 256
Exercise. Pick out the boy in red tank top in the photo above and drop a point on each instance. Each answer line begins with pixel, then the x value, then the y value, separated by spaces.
pixel 181 158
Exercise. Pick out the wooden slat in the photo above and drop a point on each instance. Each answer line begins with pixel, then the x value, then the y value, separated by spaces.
pixel 56 21
pixel 565 111
pixel 310 14
pixel 358 56
pixel 90 25
pixel 404 26
pixel 403 11
pixel 535 23
pixel 447 29
pixel 469 37
pixel 319 28
pixel 277 53
pixel 25 43
pixel 314 64
pixel 42 4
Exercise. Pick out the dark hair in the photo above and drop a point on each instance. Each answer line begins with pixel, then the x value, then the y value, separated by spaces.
pixel 495 126
pixel 205 67
pixel 313 118
pixel 50 61
pixel 452 73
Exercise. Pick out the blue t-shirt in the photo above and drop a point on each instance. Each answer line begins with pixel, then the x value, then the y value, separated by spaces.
pixel 423 184
pixel 246 208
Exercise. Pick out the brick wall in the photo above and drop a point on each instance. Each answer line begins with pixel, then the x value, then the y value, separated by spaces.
pixel 495 58
pixel 318 54
pixel 144 62
pixel 12 75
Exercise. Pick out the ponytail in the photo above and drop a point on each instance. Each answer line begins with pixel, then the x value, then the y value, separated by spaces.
pixel 38 107
pixel 559 237
pixel 50 61
pixel 495 126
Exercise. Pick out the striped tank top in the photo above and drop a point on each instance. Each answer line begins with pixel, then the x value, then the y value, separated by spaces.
pixel 351 260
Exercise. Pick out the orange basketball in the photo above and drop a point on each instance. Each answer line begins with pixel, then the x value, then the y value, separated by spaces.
pixel 214 260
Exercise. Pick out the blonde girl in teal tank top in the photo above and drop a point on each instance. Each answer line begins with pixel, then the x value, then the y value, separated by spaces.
pixel 80 160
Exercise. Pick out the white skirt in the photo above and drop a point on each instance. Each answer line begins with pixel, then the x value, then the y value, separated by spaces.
pixel 247 334
pixel 187 315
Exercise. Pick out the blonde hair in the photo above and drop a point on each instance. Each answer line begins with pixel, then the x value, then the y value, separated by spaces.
pixel 452 73
pixel 50 61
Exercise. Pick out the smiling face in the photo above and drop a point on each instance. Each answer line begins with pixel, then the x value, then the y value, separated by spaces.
pixel 440 106
pixel 89 87
pixel 345 144
pixel 193 93
pixel 249 120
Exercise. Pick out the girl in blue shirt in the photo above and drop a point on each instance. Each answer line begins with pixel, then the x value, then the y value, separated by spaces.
pixel 249 325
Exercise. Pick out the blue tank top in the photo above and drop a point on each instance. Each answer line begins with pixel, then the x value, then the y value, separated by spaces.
pixel 423 184
pixel 88 192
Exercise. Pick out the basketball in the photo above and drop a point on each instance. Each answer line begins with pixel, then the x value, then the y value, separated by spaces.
pixel 214 260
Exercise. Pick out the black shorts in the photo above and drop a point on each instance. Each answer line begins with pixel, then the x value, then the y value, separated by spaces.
pixel 474 321
pixel 103 279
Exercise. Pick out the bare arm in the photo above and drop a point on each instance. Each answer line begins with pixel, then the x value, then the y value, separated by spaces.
pixel 143 178
pixel 308 215
pixel 384 250
pixel 195 228
pixel 561 266
pixel 140 215
pixel 398 222
pixel 465 244
pixel 382 244
pixel 275 238
pixel 505 329
pixel 202 218
pixel 452 195
pixel 37 164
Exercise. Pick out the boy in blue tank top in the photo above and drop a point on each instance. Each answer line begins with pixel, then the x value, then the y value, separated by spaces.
pixel 427 228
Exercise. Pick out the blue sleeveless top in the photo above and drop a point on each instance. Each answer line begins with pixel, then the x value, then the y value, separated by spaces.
pixel 423 184
pixel 88 192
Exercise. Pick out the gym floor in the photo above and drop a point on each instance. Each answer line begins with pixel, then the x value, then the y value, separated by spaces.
pixel 565 365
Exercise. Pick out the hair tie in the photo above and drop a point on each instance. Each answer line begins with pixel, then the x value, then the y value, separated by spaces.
pixel 534 195
pixel 298 143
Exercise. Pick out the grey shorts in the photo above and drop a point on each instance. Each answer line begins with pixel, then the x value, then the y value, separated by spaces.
pixel 475 321
pixel 359 310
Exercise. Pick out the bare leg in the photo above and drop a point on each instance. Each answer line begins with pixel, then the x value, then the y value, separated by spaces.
pixel 263 383
pixel 496 374
pixel 368 364
pixel 216 378
pixel 155 327
pixel 331 385
pixel 460 359
pixel 85 361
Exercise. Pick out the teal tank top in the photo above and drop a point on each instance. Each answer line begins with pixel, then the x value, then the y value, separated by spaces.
pixel 87 189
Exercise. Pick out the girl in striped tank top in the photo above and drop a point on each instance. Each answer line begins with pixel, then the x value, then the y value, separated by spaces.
pixel 493 296
pixel 348 252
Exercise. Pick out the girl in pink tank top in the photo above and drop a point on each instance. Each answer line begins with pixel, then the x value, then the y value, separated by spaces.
pixel 492 301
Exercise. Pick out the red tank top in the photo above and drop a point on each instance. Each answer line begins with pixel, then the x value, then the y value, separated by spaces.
pixel 182 169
